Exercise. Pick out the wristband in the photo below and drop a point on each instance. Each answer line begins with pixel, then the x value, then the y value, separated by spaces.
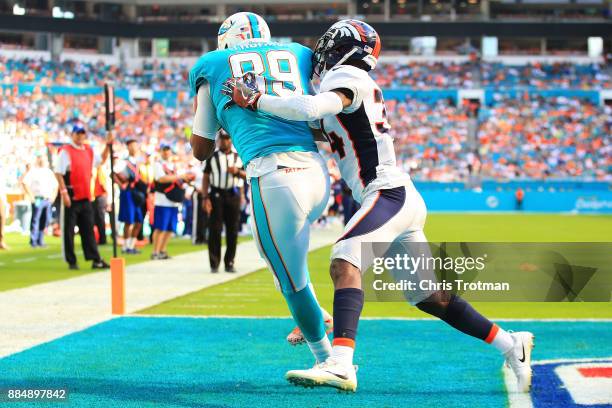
pixel 63 191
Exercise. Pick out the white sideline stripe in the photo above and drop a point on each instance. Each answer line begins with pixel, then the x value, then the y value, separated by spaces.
pixel 33 258
pixel 44 312
pixel 511 212
pixel 505 319
pixel 220 316
pixel 571 360
pixel 24 260
pixel 515 399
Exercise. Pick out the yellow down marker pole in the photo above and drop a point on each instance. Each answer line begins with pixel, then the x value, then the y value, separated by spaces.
pixel 117 286
pixel 117 264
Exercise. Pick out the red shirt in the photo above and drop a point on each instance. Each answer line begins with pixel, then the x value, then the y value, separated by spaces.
pixel 79 176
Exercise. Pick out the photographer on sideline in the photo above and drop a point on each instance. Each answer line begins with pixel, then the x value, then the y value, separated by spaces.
pixel 169 194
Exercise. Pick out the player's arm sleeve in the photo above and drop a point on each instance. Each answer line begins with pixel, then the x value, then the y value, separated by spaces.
pixel 347 82
pixel 205 122
pixel 315 125
pixel 305 108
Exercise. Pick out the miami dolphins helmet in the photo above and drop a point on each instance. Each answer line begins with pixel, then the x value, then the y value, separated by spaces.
pixel 241 27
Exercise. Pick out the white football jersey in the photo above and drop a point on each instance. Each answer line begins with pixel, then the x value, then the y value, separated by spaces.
pixel 359 135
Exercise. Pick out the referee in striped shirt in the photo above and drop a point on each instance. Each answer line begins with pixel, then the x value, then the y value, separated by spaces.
pixel 222 186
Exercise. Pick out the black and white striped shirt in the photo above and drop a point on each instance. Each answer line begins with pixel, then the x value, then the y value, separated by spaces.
pixel 216 168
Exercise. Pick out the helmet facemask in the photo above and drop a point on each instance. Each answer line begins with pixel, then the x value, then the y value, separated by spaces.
pixel 320 54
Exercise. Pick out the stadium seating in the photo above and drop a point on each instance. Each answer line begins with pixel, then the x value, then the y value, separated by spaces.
pixel 389 75
pixel 517 138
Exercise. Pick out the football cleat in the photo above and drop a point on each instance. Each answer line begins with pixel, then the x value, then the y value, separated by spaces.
pixel 297 337
pixel 519 359
pixel 329 373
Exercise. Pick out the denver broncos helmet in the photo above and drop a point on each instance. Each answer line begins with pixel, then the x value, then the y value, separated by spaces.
pixel 346 40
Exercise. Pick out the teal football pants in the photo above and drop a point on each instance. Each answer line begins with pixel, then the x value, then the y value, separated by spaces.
pixel 284 204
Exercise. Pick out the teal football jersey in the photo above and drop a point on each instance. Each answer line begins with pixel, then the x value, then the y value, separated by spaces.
pixel 286 68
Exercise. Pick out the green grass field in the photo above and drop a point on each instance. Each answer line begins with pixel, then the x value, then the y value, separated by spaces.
pixel 23 266
pixel 255 295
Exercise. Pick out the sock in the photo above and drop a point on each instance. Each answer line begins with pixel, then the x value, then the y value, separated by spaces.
pixel 463 317
pixel 320 349
pixel 348 303
pixel 343 354
pixel 307 313
pixel 131 243
pixel 500 339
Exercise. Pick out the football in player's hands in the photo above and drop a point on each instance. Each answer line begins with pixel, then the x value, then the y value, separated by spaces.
pixel 243 91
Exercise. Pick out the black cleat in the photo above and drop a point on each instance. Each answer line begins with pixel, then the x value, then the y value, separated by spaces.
pixel 100 265
pixel 230 269
pixel 73 267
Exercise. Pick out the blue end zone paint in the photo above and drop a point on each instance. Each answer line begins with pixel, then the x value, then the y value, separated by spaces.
pixel 183 362
pixel 549 391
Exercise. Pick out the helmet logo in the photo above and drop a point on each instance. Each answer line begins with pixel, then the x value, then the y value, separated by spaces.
pixel 225 26
pixel 344 31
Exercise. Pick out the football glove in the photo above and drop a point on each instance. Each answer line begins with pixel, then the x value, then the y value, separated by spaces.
pixel 243 91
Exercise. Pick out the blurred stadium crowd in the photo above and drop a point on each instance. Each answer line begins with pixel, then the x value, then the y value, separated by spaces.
pixel 525 136
pixel 483 74
pixel 421 75
pixel 522 137
pixel 154 76
pixel 536 138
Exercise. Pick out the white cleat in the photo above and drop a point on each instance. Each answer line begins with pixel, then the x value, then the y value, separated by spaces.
pixel 330 373
pixel 297 337
pixel 519 359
